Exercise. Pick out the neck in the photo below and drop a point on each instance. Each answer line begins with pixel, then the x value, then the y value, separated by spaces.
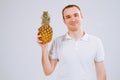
pixel 76 35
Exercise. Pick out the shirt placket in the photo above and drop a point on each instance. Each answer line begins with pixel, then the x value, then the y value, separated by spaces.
pixel 76 43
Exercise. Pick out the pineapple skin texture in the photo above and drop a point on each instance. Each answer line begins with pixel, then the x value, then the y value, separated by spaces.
pixel 46 33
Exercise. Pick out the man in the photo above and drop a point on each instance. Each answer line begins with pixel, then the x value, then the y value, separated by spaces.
pixel 78 55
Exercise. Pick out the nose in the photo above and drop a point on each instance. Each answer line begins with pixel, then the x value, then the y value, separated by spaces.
pixel 72 18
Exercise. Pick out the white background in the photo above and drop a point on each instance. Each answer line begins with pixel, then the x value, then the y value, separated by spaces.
pixel 20 55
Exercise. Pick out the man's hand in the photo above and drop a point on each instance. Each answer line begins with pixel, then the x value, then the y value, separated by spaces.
pixel 41 43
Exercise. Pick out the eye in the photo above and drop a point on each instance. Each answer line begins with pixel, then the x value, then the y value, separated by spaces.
pixel 76 14
pixel 68 16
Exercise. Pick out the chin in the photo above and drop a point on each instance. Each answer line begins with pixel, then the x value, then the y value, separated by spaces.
pixel 73 29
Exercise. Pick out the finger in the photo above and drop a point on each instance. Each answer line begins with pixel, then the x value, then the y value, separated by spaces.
pixel 38 33
pixel 39 41
pixel 39 36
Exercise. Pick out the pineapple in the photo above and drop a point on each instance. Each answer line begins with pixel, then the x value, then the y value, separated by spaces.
pixel 45 30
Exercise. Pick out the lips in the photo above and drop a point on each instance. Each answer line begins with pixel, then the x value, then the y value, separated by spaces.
pixel 73 23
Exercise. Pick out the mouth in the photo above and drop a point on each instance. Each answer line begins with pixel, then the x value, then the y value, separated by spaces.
pixel 73 23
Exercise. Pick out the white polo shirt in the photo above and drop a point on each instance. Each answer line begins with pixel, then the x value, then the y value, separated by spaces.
pixel 77 58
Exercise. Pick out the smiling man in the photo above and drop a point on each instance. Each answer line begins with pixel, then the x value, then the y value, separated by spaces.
pixel 79 56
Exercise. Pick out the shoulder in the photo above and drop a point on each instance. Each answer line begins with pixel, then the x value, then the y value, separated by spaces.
pixel 59 39
pixel 94 38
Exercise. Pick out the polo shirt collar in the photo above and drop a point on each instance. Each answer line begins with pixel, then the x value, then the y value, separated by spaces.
pixel 84 38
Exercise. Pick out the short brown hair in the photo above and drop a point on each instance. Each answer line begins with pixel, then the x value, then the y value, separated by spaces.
pixel 69 6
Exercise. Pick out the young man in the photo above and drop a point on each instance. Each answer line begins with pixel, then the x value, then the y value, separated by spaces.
pixel 79 56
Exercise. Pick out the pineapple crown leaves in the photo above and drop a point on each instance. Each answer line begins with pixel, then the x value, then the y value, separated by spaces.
pixel 45 18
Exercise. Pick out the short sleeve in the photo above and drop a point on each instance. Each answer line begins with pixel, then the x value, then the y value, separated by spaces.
pixel 53 51
pixel 100 52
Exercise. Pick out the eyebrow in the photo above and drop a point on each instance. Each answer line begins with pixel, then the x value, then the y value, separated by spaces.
pixel 73 14
pixel 67 16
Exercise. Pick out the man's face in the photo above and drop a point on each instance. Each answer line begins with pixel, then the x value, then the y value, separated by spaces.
pixel 72 18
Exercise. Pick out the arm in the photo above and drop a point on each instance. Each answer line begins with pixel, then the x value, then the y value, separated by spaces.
pixel 48 65
pixel 100 70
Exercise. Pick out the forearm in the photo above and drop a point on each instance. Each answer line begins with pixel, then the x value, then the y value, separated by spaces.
pixel 101 73
pixel 101 76
pixel 46 62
